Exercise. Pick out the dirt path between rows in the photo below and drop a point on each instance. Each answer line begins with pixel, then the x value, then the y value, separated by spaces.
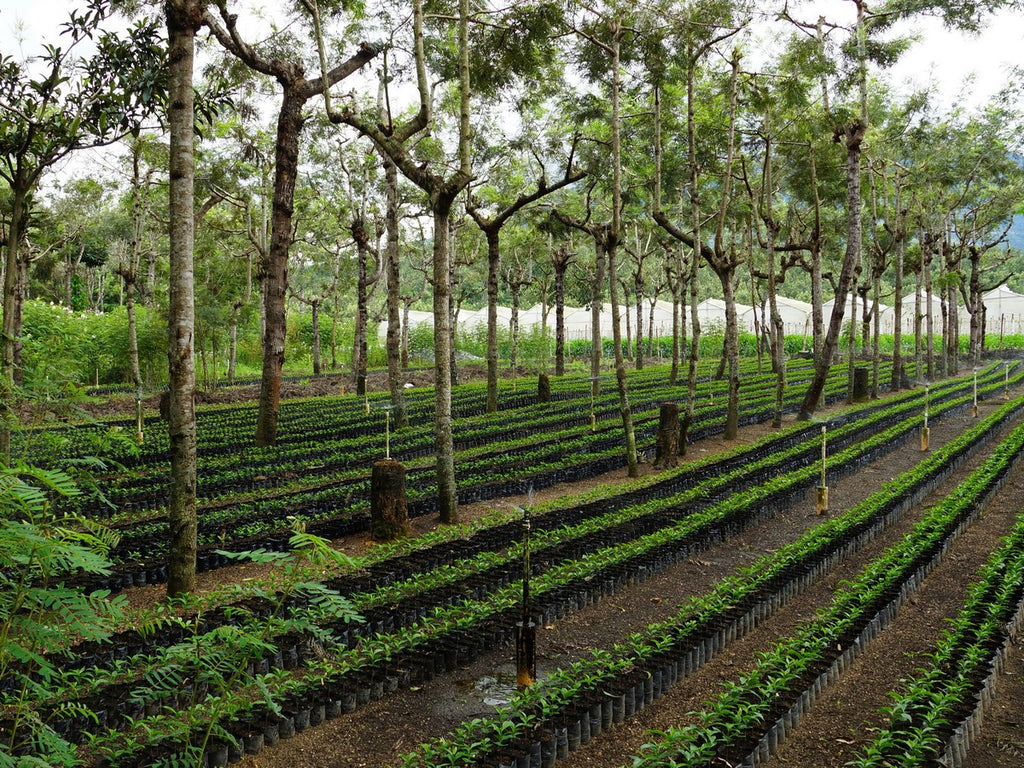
pixel 376 734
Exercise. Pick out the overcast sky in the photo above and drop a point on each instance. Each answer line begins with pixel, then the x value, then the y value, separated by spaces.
pixel 943 57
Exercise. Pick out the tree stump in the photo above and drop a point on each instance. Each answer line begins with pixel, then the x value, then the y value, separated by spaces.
pixel 389 512
pixel 667 451
pixel 860 385
pixel 543 388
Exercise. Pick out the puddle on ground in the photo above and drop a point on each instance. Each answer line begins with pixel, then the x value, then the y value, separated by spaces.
pixel 495 690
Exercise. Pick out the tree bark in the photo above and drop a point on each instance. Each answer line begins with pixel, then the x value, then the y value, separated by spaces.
pixel 596 340
pixel 393 343
pixel 183 19
pixel 11 300
pixel 275 269
pixel 613 242
pixel 444 449
pixel 853 135
pixel 667 452
pixel 560 260
pixel 314 307
pixel 493 235
pixel 389 512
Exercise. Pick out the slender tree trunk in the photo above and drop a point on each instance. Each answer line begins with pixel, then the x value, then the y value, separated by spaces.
pixel 919 317
pixel 852 346
pixel 875 341
pixel 854 135
pixel 360 346
pixel 133 334
pixel 493 266
pixel 896 382
pixel 453 309
pixel 561 263
pixel 335 311
pixel 11 302
pixel 314 307
pixel 513 330
pixel 639 349
pixel 597 342
pixel 275 283
pixel 445 457
pixel 183 17
pixel 731 354
pixel 233 343
pixel 929 321
pixel 406 306
pixel 398 408
pixel 131 272
pixel 695 259
pixel 614 236
pixel 777 335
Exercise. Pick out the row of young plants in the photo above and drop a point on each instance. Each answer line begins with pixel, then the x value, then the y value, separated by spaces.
pixel 936 715
pixel 615 683
pixel 555 525
pixel 491 617
pixel 674 496
pixel 391 572
pixel 422 564
pixel 79 686
pixel 755 711
pixel 340 445
pixel 492 559
pixel 341 505
pixel 223 428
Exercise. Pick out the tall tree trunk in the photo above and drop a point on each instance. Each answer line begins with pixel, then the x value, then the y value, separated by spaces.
pixel 335 312
pixel 233 344
pixel 131 271
pixel 929 320
pixel 613 242
pixel 513 327
pixel 853 135
pixel 183 19
pixel 596 340
pixel 445 455
pixel 875 340
pixel 695 259
pixel 275 283
pixel 731 353
pixel 453 309
pixel 896 382
pixel 777 336
pixel 493 236
pixel 406 306
pixel 12 299
pixel 314 307
pixel 360 347
pixel 133 335
pixel 852 346
pixel 393 343
pixel 560 261
pixel 639 298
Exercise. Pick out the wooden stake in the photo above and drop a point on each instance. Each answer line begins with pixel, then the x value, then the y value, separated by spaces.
pixel 139 437
pixel 822 500
pixel 974 408
pixel 924 429
pixel 526 630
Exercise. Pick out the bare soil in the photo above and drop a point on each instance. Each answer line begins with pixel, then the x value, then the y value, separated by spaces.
pixel 844 718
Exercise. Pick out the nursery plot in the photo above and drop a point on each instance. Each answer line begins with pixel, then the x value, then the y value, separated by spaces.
pixel 580 632
pixel 493 636
pixel 334 504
